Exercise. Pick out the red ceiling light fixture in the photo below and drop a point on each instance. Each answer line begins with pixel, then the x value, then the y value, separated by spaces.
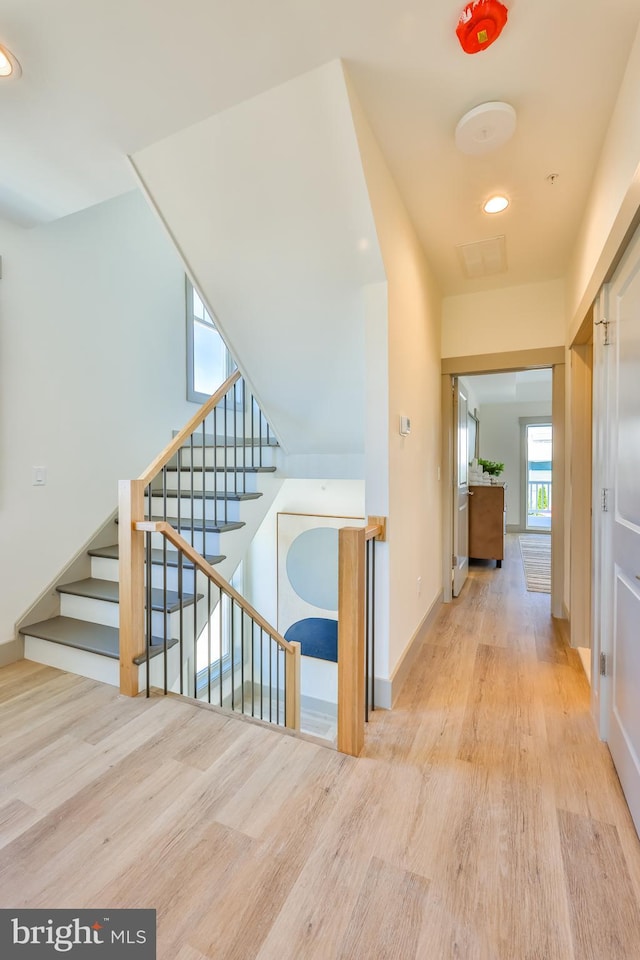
pixel 480 24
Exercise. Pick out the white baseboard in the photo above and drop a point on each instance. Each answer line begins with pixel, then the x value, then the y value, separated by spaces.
pixel 386 691
pixel 11 652
pixel 314 705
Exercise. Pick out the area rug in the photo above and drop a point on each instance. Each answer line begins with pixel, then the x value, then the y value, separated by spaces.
pixel 536 560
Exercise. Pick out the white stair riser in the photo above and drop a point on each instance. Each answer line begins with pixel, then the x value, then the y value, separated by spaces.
pixel 173 623
pixel 106 670
pixel 173 577
pixel 229 482
pixel 220 511
pixel 212 547
pixel 236 456
pixel 104 569
pixel 102 611
pixel 72 660
pixel 87 608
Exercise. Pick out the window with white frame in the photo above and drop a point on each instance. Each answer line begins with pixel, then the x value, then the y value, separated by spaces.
pixel 209 362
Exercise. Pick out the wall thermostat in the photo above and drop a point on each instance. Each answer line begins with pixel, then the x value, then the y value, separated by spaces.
pixel 405 426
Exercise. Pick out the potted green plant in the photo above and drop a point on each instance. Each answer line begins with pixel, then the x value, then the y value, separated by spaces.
pixel 492 467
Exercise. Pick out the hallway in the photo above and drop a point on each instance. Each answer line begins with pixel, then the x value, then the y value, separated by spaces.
pixel 524 830
pixel 484 821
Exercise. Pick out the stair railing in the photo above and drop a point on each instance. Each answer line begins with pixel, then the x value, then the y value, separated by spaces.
pixel 212 455
pixel 356 631
pixel 259 676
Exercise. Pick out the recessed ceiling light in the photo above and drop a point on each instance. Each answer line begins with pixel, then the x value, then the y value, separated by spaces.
pixel 9 66
pixel 495 205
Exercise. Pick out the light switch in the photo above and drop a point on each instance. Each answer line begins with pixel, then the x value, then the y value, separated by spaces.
pixel 39 476
pixel 405 426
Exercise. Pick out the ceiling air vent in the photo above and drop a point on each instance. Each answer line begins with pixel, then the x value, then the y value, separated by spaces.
pixel 483 258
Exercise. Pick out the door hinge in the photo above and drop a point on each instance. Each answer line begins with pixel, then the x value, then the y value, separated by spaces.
pixel 604 501
pixel 454 561
pixel 603 664
pixel 604 323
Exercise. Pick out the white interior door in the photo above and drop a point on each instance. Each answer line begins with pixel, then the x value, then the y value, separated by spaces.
pixel 624 713
pixel 460 487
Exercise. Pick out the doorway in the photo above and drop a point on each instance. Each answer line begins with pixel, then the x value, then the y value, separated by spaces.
pixel 460 562
pixel 465 367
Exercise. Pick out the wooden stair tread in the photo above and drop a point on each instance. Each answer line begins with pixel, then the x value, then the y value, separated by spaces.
pixel 109 591
pixel 157 556
pixel 85 635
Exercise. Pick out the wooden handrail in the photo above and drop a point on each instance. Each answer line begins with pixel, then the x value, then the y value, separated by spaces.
pixel 376 528
pixel 161 526
pixel 172 448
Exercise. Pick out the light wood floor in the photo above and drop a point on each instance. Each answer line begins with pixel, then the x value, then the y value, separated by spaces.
pixel 484 822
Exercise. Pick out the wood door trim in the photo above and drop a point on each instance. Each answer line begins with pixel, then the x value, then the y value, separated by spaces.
pixel 503 362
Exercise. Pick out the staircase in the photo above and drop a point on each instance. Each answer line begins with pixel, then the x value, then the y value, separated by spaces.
pixel 212 492
pixel 158 609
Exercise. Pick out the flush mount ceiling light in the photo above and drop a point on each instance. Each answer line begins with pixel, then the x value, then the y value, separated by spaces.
pixel 9 67
pixel 495 204
pixel 486 127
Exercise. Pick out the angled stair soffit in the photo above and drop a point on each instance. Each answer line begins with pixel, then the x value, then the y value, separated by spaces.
pixel 268 205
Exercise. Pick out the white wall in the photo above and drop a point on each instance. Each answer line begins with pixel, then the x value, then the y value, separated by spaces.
pixel 268 204
pixel 92 380
pixel 411 562
pixel 334 498
pixel 513 318
pixel 613 201
pixel 500 440
pixel 472 399
pixel 609 217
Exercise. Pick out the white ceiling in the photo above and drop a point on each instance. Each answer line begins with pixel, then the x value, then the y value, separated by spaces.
pixel 524 386
pixel 105 78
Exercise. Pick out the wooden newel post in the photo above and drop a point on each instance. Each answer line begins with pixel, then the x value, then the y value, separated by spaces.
pixel 292 676
pixel 351 640
pixel 131 572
